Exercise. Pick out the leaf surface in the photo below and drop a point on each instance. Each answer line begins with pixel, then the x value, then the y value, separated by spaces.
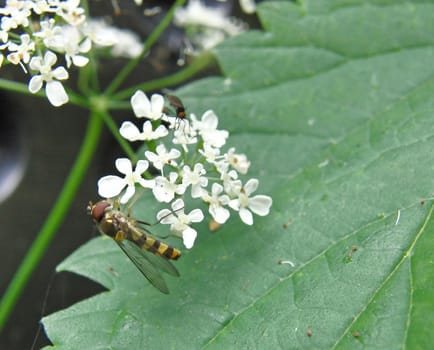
pixel 333 103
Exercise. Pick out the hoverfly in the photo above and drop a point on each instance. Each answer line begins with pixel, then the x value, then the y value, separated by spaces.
pixel 176 103
pixel 148 254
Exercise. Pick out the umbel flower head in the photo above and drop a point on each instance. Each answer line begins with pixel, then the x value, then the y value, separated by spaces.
pixel 189 161
pixel 62 33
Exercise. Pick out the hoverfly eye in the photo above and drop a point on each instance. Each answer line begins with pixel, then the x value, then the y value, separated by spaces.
pixel 97 210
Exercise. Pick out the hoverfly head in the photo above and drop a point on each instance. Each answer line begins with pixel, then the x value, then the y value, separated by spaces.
pixel 97 210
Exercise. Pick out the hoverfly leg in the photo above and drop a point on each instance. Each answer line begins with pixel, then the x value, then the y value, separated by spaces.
pixel 120 236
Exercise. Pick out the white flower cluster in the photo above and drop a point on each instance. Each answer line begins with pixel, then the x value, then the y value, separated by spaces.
pixel 62 30
pixel 194 163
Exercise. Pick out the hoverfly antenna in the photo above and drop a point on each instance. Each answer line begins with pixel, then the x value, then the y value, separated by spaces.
pixel 89 208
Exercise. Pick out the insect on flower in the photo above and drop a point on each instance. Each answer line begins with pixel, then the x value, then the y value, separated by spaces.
pixel 150 255
pixel 180 114
pixel 176 103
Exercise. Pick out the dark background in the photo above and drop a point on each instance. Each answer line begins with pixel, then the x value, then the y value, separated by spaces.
pixel 41 142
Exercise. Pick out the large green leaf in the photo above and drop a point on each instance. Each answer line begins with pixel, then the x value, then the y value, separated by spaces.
pixel 334 104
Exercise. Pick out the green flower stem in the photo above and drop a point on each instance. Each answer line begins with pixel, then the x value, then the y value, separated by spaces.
pixel 181 76
pixel 114 129
pixel 17 87
pixel 129 67
pixel 53 220
pixel 21 88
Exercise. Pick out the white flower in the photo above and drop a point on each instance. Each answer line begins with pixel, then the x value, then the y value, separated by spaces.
pixel 18 12
pixel 195 179
pixel 143 108
pixel 238 161
pixel 22 52
pixel 125 43
pixel 70 11
pixel 197 13
pixel 54 89
pixel 74 44
pixel 129 131
pixel 230 182
pixel 248 6
pixel 111 185
pixel 162 157
pixel 209 153
pixel 165 189
pixel 179 222
pixel 207 128
pixel 216 202
pixel 259 204
pixel 128 43
pixel 4 35
pixel 52 35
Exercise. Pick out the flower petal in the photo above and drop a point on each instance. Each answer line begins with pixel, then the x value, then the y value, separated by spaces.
pixel 178 204
pixel 129 131
pixel 246 216
pixel 35 84
pixel 50 58
pixel 188 237
pixel 60 73
pixel 251 186
pixel 260 204
pixel 124 166
pixel 165 216
pixel 141 167
pixel 219 214
pixel 195 215
pixel 141 105
pixel 234 204
pixel 128 194
pixel 210 120
pixel 110 186
pixel 80 61
pixel 161 131
pixel 56 94
pixel 147 183
pixel 157 105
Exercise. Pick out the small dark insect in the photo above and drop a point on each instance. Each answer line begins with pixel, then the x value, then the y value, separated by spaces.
pixel 309 332
pixel 356 334
pixel 176 103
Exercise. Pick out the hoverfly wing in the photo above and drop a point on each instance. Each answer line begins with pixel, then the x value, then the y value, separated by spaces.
pixel 175 101
pixel 162 263
pixel 140 258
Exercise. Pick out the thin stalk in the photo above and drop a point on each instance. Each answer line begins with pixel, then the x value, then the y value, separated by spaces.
pixel 129 67
pixel 179 77
pixel 54 219
pixel 115 131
